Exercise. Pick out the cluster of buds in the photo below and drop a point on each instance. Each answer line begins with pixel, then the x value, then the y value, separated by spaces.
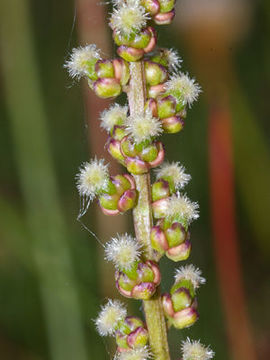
pixel 173 212
pixel 180 305
pixel 162 11
pixel 134 277
pixel 116 194
pixel 132 139
pixel 129 331
pixel 106 77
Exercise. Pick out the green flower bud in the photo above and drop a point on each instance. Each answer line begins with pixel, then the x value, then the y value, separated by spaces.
pixel 104 69
pixel 130 54
pixel 154 73
pixel 131 334
pixel 166 5
pixel 107 88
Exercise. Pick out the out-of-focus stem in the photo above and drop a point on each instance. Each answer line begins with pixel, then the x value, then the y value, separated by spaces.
pixel 143 221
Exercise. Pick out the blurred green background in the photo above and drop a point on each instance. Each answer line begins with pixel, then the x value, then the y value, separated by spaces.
pixel 52 276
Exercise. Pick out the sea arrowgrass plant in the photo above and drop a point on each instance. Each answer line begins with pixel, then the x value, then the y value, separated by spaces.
pixel 158 97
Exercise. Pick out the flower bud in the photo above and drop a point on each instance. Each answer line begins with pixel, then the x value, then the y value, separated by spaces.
pixel 104 69
pixel 107 88
pixel 130 54
pixel 154 73
pixel 164 18
pixel 121 71
pixel 141 283
pixel 155 90
pixel 151 6
pixel 172 125
pixel 131 334
pixel 194 350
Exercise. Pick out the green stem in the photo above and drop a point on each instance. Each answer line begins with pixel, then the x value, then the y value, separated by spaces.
pixel 143 222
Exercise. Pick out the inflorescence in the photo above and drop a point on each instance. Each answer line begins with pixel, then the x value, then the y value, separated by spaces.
pixel 133 140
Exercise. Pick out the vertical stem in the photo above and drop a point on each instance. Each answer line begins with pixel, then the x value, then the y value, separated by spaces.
pixel 143 222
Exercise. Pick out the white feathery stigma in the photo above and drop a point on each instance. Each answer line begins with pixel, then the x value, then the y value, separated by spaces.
pixel 128 17
pixel 143 127
pixel 123 251
pixel 180 208
pixel 109 316
pixel 175 171
pixel 184 88
pixel 174 60
pixel 194 350
pixel 115 115
pixel 93 178
pixel 78 64
pixel 142 353
pixel 189 272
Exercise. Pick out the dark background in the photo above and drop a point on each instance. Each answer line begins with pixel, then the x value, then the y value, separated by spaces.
pixel 52 273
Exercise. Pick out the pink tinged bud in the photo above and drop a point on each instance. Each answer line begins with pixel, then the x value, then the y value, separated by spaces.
pixel 180 252
pixel 107 88
pixel 154 91
pixel 113 147
pixel 143 291
pixel 151 6
pixel 158 240
pixel 155 269
pixel 159 208
pixel 181 299
pixel 152 105
pixel 137 338
pixel 154 73
pixel 172 125
pixel 128 200
pixel 121 341
pixel 167 305
pixel 121 71
pixel 185 318
pixel 160 157
pixel 153 41
pixel 131 180
pixel 104 69
pixel 130 54
pixel 164 18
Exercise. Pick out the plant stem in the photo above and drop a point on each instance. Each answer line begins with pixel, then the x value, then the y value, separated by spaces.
pixel 143 222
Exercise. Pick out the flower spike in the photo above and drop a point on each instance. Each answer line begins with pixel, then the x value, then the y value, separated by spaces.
pixel 115 115
pixel 173 172
pixel 109 317
pixel 123 251
pixel 82 60
pixel 194 350
pixel 128 17
pixel 189 272
pixel 93 178
pixel 137 354
pixel 183 88
pixel 143 127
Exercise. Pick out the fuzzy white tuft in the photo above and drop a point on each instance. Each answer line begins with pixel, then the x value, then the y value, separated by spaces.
pixel 189 272
pixel 109 316
pixel 143 127
pixel 184 88
pixel 93 178
pixel 77 65
pixel 115 115
pixel 182 209
pixel 174 60
pixel 135 354
pixel 123 251
pixel 128 17
pixel 194 350
pixel 176 172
